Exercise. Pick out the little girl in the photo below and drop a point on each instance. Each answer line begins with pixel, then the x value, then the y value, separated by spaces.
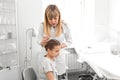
pixel 47 69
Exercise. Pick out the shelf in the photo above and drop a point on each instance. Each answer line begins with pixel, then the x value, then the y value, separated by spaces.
pixel 7 68
pixel 7 25
pixel 8 48
pixel 4 69
pixel 8 52
pixel 2 10
pixel 8 59
pixel 8 1
pixel 7 40
pixel 7 6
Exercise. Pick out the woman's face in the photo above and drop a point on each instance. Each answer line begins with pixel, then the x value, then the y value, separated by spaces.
pixel 53 21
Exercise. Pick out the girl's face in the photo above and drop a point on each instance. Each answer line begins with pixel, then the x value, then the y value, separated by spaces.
pixel 55 51
pixel 53 21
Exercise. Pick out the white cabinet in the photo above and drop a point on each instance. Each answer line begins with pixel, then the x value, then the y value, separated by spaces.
pixel 11 74
pixel 8 34
pixel 8 39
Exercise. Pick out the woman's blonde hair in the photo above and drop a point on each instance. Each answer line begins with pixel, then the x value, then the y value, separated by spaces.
pixel 52 11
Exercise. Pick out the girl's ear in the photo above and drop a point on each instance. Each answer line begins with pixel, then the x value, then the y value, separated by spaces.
pixel 48 49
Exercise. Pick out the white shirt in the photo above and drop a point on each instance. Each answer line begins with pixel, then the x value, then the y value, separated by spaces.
pixel 46 65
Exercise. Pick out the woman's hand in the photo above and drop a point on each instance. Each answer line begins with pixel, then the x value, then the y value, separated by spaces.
pixel 44 40
pixel 63 45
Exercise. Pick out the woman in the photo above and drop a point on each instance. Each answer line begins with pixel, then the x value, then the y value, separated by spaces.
pixel 54 28
pixel 47 70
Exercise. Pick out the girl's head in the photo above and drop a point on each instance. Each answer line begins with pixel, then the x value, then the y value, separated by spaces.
pixel 53 47
pixel 52 19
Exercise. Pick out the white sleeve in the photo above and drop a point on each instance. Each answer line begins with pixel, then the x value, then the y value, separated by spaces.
pixel 68 38
pixel 48 67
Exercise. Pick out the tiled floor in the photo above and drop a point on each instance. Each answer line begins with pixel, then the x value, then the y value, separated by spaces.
pixel 74 76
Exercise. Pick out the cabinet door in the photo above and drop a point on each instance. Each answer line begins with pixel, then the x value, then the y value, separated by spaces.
pixel 8 34
pixel 11 74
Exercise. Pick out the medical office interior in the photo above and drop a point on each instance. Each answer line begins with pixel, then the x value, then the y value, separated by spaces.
pixel 95 29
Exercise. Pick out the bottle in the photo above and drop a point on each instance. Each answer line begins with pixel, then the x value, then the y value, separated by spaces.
pixel 9 36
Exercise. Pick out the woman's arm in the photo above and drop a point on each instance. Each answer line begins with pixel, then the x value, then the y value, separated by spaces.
pixel 63 45
pixel 42 39
pixel 67 32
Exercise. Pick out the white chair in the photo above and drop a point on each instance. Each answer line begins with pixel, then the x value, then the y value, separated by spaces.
pixel 29 74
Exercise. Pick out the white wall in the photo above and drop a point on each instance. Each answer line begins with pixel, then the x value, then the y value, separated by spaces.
pixel 101 12
pixel 101 20
pixel 114 16
pixel 114 20
pixel 29 16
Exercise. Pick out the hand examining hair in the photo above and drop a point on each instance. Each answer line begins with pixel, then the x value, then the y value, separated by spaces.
pixel 63 45
pixel 44 40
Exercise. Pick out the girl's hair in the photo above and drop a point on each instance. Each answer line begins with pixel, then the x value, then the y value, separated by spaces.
pixel 52 11
pixel 51 43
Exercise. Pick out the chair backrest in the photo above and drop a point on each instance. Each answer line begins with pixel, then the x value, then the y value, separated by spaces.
pixel 29 74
